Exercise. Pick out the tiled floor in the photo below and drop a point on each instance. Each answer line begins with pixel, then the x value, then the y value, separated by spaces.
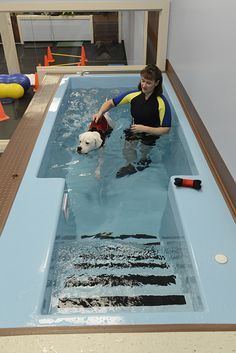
pixel 31 54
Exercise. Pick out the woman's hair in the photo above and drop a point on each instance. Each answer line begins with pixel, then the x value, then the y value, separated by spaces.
pixel 151 72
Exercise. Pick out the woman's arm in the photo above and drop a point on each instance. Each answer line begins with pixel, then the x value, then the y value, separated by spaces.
pixel 107 105
pixel 137 128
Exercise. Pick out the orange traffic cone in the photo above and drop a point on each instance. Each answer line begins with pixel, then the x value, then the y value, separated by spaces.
pixel 83 58
pixel 36 82
pixel 46 63
pixel 50 57
pixel 3 115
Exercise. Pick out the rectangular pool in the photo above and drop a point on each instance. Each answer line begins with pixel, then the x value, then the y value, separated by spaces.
pixel 82 250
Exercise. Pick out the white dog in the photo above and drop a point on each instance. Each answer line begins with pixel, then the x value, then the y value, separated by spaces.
pixel 95 136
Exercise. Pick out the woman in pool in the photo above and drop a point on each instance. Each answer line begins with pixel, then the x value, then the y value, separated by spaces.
pixel 151 118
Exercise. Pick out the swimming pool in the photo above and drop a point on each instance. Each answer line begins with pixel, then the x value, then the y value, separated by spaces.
pixel 77 250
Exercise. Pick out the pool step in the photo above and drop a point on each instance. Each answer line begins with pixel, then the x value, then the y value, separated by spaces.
pixel 139 238
pixel 124 301
pixel 111 236
pixel 122 280
pixel 98 272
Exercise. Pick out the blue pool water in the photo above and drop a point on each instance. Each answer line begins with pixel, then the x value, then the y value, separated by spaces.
pixel 133 204
pixel 82 250
pixel 110 251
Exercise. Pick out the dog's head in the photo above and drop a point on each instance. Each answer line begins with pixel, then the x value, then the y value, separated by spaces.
pixel 89 141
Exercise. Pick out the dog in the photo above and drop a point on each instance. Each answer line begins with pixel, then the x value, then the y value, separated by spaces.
pixel 96 135
pixel 95 138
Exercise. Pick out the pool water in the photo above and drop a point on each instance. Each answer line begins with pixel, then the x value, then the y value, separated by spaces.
pixel 110 251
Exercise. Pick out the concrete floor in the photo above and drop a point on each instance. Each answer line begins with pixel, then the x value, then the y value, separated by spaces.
pixel 149 342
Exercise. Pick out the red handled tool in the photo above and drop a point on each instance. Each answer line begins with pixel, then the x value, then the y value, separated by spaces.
pixel 189 183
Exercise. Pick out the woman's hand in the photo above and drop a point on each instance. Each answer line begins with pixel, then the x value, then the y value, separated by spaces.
pixel 158 131
pixel 96 117
pixel 137 128
pixel 107 105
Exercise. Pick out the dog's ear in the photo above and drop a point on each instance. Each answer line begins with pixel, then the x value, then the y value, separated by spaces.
pixel 98 141
pixel 82 135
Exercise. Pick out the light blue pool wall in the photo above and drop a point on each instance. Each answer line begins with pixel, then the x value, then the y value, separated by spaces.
pixel 28 238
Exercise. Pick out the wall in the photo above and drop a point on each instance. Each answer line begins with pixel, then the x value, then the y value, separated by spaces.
pixel 133 31
pixel 55 28
pixel 202 51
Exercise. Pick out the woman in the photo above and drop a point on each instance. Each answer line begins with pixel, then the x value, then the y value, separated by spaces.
pixel 151 118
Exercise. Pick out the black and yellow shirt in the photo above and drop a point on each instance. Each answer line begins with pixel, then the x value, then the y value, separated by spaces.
pixel 153 112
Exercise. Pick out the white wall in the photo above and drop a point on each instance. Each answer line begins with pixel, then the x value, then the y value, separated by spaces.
pixel 48 28
pixel 202 51
pixel 140 31
pixel 133 31
pixel 127 34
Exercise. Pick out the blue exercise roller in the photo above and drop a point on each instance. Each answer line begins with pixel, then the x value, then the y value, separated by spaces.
pixel 13 87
